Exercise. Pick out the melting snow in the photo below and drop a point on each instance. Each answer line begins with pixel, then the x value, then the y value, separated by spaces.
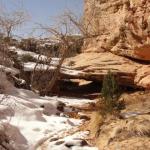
pixel 20 52
pixel 32 122
pixel 29 66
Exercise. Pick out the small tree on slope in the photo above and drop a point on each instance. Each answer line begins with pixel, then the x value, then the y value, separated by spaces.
pixel 111 93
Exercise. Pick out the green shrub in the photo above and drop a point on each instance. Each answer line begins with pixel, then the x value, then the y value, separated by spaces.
pixel 110 93
pixel 28 58
pixel 28 45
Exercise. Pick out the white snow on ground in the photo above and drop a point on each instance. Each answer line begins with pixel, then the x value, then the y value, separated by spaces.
pixel 20 52
pixel 31 121
pixel 29 66
pixel 71 72
pixel 73 101
pixel 73 142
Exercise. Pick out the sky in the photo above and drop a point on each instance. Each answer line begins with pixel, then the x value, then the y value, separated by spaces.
pixel 41 11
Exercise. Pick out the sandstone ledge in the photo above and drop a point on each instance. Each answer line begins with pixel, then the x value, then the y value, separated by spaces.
pixel 94 66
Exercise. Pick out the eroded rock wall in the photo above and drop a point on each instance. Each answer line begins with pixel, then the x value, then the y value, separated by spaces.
pixel 120 42
pixel 123 27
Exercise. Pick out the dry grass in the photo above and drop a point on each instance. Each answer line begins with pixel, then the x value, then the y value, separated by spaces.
pixel 136 2
pixel 132 133
pixel 135 143
pixel 139 126
pixel 5 85
pixel 134 98
pixel 119 131
pixel 95 124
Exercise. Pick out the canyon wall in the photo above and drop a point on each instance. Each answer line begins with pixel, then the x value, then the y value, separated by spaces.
pixel 123 27
pixel 118 40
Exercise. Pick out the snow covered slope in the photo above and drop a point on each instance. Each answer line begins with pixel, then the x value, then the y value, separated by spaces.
pixel 31 122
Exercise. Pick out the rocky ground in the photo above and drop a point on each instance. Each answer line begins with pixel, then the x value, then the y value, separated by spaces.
pixel 130 130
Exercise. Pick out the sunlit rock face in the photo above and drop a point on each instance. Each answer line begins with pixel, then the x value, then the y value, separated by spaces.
pixel 120 42
pixel 143 52
pixel 142 77
pixel 95 66
pixel 123 27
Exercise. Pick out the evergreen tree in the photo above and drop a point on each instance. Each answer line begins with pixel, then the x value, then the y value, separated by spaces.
pixel 110 92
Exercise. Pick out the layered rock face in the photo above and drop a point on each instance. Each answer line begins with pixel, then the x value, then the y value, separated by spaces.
pixel 94 66
pixel 123 27
pixel 120 42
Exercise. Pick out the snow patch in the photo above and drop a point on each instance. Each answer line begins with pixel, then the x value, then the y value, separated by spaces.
pixel 32 120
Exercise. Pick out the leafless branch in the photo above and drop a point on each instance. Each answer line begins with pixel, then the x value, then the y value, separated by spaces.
pixel 11 21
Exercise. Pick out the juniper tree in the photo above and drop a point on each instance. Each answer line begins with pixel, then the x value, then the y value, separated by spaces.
pixel 110 92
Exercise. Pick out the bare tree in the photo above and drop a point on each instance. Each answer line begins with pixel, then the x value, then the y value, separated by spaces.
pixel 10 21
pixel 60 35
pixel 81 24
pixel 67 27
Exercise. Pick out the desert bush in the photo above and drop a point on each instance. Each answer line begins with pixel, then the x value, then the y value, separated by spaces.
pixel 76 47
pixel 29 45
pixel 76 43
pixel 95 123
pixel 5 61
pixel 4 54
pixel 28 58
pixel 5 85
pixel 49 50
pixel 110 93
